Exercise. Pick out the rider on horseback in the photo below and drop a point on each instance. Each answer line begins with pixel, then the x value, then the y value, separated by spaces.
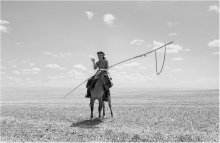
pixel 101 64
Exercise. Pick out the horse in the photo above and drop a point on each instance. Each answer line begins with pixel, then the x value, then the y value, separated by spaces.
pixel 98 93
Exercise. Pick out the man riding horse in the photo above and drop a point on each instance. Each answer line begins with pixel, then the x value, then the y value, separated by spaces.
pixel 102 64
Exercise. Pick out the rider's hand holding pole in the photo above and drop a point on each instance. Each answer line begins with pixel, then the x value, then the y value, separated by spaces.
pixel 93 60
pixel 94 65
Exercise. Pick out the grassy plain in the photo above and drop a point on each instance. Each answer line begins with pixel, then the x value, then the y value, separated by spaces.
pixel 139 116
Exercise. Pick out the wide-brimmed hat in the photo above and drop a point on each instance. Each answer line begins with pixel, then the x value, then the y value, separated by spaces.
pixel 100 52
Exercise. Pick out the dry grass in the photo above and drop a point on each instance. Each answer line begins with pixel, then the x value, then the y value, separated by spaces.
pixel 183 121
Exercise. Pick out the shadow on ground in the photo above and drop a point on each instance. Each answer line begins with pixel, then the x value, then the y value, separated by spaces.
pixel 87 123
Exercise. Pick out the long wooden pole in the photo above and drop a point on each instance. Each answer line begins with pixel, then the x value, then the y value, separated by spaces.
pixel 120 63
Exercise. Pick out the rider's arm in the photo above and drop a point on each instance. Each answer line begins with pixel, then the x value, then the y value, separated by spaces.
pixel 94 65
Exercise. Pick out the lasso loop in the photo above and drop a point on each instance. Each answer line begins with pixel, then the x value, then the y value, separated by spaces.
pixel 164 57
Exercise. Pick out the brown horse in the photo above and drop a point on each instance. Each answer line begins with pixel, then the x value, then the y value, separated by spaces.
pixel 97 93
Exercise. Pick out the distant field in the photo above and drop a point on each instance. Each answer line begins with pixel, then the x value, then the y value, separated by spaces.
pixel 139 115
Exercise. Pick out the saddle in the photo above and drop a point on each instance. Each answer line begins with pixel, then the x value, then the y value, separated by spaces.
pixel 92 81
pixel 107 84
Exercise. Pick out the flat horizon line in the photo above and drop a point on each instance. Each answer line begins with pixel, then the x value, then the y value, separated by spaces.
pixel 113 88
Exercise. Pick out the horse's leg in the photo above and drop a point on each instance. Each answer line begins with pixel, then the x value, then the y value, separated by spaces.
pixel 110 105
pixel 100 107
pixel 91 107
pixel 103 108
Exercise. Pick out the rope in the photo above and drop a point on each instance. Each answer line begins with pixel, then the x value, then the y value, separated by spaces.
pixel 164 58
pixel 141 55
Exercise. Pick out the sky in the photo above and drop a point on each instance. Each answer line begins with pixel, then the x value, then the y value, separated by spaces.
pixel 49 44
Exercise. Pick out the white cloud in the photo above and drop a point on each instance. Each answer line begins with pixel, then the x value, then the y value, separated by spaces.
pixel 172 48
pixel 173 34
pixel 142 67
pixel 89 14
pixel 31 71
pixel 177 59
pixel 3 22
pixel 214 8
pixel 135 77
pixel 149 45
pixel 119 67
pixel 176 70
pixel 68 54
pixel 75 73
pixel 56 77
pixel 158 44
pixel 32 64
pixel 63 55
pixel 16 72
pixel 214 43
pixel 24 61
pixel 187 50
pixel 109 19
pixel 36 69
pixel 171 24
pixel 57 55
pixel 137 42
pixel 216 53
pixel 3 28
pixel 80 66
pixel 55 66
pixel 17 43
pixel 133 64
pixel 47 53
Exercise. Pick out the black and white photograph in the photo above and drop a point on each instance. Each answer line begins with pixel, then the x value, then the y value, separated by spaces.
pixel 109 71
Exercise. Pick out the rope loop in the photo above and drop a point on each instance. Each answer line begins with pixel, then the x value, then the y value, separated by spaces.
pixel 164 57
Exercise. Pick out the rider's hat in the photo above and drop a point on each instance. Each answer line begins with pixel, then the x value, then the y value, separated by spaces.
pixel 100 52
